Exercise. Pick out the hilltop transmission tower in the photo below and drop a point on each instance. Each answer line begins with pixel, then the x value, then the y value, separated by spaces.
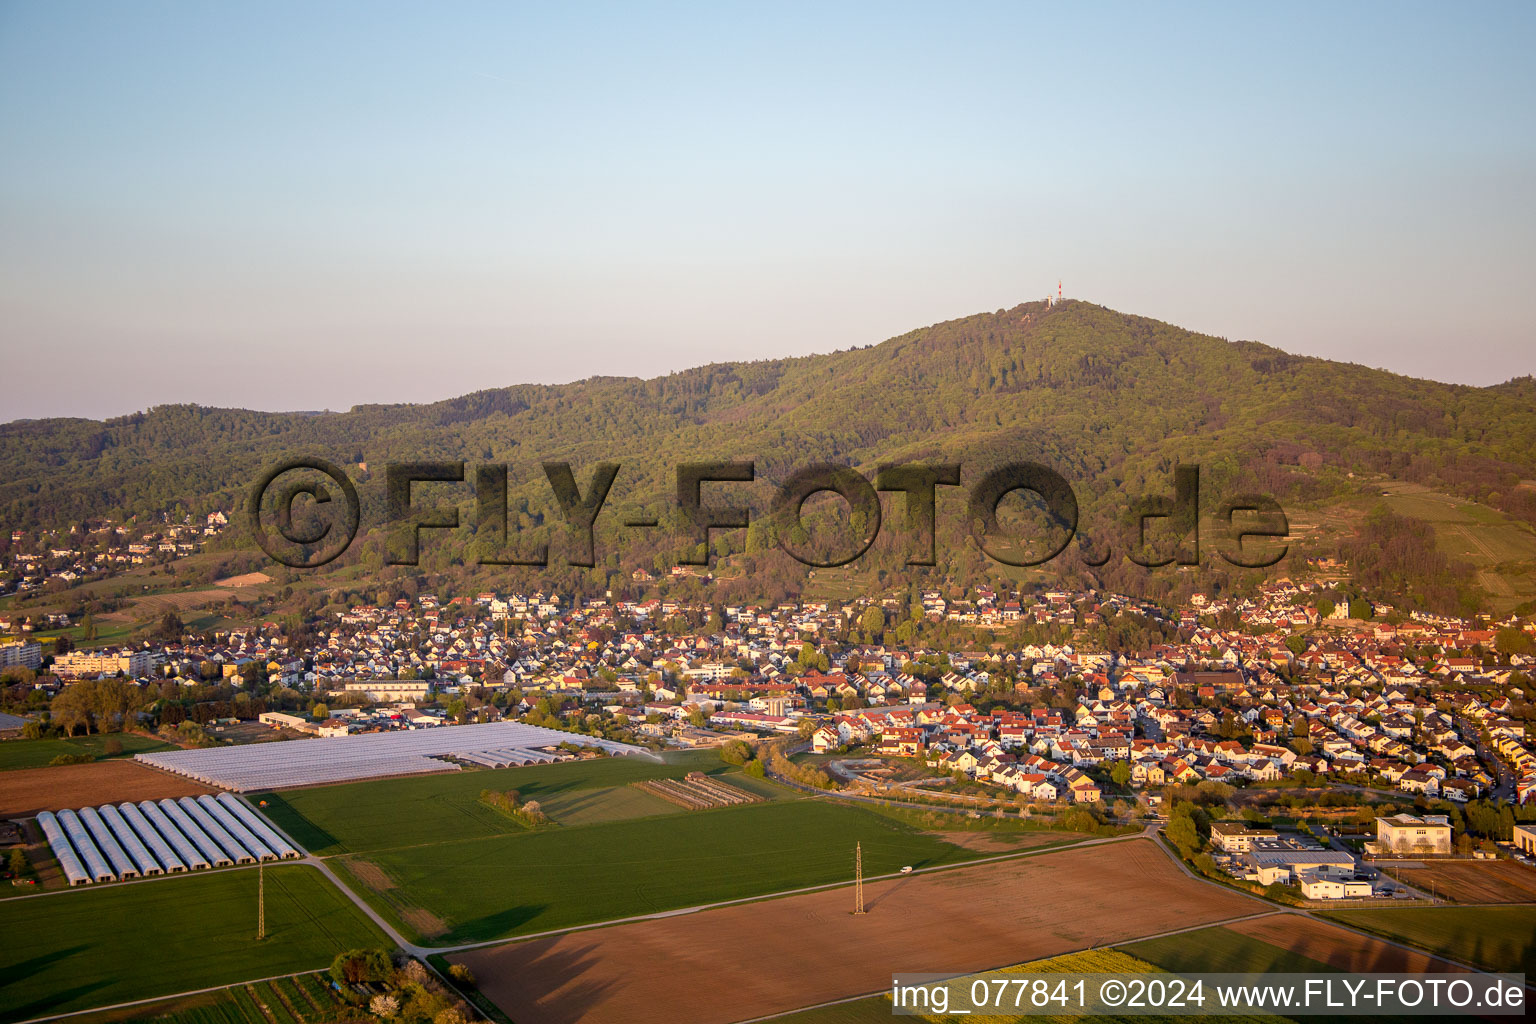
pixel 858 878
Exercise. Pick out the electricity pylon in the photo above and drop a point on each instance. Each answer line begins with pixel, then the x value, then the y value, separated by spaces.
pixel 858 878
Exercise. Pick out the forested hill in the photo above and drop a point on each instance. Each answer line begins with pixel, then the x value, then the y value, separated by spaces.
pixel 1111 400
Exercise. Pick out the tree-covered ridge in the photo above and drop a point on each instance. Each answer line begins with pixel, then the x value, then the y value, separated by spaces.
pixel 1111 400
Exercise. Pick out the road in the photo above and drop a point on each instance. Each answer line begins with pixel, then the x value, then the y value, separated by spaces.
pixel 1504 787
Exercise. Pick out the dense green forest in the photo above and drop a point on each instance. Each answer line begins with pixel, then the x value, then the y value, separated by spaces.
pixel 1113 402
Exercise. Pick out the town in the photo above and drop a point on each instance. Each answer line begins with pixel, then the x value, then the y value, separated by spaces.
pixel 1286 689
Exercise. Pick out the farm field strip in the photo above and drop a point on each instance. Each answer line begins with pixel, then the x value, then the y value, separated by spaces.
pixel 877 1009
pixel 1340 948
pixel 203 929
pixel 500 886
pixel 1015 910
pixel 305 998
pixel 1500 881
pixel 16 754
pixel 1221 949
pixel 26 791
pixel 364 817
pixel 227 1004
pixel 696 792
pixel 1495 938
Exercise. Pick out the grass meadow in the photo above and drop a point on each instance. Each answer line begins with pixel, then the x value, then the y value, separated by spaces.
pixel 37 753
pixel 514 884
pixel 91 947
pixel 447 869
pixel 385 814
pixel 1222 951
pixel 1495 938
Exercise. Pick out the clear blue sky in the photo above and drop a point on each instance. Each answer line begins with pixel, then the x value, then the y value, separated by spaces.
pixel 311 205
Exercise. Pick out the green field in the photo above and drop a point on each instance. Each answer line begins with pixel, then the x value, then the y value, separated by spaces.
pixel 36 753
pixel 604 803
pixel 1496 938
pixel 534 881
pixel 1222 951
pixel 1501 549
pixel 379 815
pixel 98 946
pixel 447 868
pixel 298 999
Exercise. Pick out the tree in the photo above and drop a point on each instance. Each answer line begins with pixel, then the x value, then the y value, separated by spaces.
pixel 1324 607
pixel 319 712
pixel 359 966
pixel 72 709
pixel 872 621
pixel 18 862
pixel 1183 834
pixel 1513 640
pixel 1120 774
pixel 171 626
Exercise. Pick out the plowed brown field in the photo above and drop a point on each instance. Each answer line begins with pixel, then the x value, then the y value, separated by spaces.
pixel 26 791
pixel 1338 947
pixel 739 962
pixel 1474 881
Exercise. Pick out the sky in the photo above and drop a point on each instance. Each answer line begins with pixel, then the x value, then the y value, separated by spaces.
pixel 315 205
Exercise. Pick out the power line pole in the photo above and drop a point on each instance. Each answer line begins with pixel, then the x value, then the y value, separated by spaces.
pixel 858 878
pixel 261 900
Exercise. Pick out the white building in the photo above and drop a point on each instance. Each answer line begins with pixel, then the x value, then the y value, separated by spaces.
pixel 1525 838
pixel 21 653
pixel 1326 884
pixel 1407 834
pixel 91 664
pixel 391 689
